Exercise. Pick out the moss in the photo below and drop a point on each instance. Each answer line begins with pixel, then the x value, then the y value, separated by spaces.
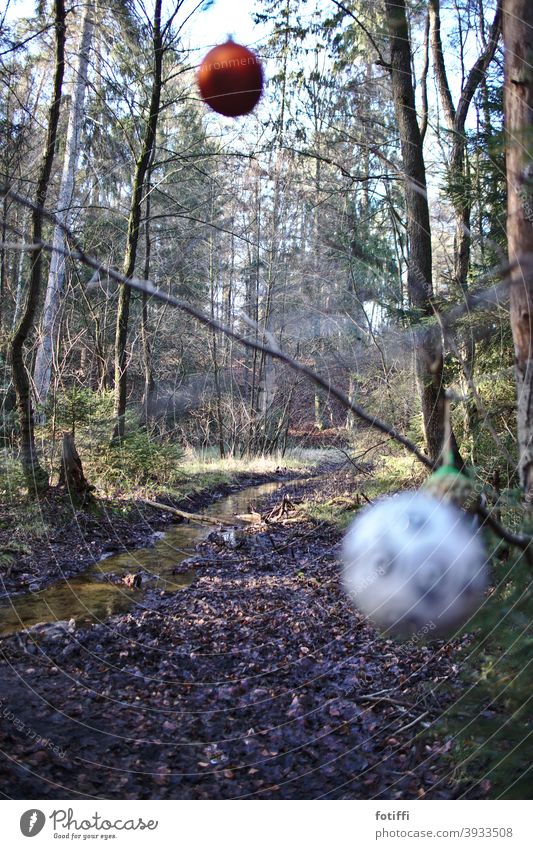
pixel 335 511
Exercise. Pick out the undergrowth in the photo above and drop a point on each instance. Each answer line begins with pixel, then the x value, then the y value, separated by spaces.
pixel 146 463
pixel 491 723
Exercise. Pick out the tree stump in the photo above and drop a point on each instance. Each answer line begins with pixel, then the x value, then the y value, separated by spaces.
pixel 71 475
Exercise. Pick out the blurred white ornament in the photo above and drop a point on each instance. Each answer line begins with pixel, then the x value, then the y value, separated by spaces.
pixel 415 564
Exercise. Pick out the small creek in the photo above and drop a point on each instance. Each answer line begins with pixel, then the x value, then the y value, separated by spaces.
pixel 87 598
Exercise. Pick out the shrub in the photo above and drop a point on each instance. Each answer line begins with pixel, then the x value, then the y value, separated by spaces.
pixel 139 460
pixel 77 407
pixel 12 481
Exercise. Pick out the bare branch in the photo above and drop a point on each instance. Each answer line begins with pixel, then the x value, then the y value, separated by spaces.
pixel 478 70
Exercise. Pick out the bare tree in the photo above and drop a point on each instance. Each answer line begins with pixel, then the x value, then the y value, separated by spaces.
pixel 36 477
pixel 56 275
pixel 428 354
pixel 455 120
pixel 132 239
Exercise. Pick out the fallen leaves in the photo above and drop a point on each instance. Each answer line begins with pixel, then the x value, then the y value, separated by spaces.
pixel 259 679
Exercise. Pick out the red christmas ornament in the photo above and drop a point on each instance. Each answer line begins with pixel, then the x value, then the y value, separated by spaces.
pixel 231 79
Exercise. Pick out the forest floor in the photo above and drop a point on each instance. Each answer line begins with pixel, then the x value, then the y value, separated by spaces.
pixel 258 680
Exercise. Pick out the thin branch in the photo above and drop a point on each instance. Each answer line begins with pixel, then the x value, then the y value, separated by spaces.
pixel 344 171
pixel 16 45
pixel 350 460
pixel 522 541
pixel 478 70
pixel 148 288
pixel 277 354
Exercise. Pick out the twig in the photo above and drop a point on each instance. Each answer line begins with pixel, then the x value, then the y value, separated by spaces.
pixel 522 541
pixel 191 517
pixel 415 721
pixel 371 697
pixel 369 35
pixel 350 460
pixel 372 448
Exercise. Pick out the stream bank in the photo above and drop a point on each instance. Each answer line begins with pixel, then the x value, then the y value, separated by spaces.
pixel 117 580
pixel 48 540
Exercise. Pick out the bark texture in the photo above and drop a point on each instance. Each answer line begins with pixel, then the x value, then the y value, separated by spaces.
pixel 56 276
pixel 428 352
pixel 141 168
pixel 72 475
pixel 518 110
pixel 36 477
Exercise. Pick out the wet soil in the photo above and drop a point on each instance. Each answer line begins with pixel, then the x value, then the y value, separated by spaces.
pixel 259 680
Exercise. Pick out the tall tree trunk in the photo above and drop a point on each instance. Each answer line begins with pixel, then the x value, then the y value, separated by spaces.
pixel 56 276
pixel 266 372
pixel 149 382
pixel 459 175
pixel 132 240
pixel 252 304
pixel 266 388
pixel 213 290
pixel 3 261
pixel 36 477
pixel 19 275
pixel 428 353
pixel 518 111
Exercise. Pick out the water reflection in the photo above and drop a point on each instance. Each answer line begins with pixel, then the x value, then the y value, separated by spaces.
pixel 91 598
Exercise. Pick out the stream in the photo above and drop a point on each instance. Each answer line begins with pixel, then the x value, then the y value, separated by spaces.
pixel 89 597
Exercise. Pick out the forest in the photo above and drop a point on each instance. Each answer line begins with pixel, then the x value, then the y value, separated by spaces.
pixel 231 333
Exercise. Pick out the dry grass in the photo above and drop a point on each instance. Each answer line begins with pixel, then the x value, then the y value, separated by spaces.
pixel 208 462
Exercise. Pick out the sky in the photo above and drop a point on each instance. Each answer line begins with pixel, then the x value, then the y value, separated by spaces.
pixel 225 17
pixel 229 17
pixel 204 29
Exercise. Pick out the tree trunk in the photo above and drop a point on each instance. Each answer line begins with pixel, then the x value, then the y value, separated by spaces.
pixel 56 276
pixel 149 382
pixel 352 394
pixel 214 352
pixel 518 111
pixel 18 291
pixel 428 353
pixel 319 412
pixel 455 121
pixel 71 475
pixel 141 167
pixel 459 172
pixel 36 477
pixel 3 261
